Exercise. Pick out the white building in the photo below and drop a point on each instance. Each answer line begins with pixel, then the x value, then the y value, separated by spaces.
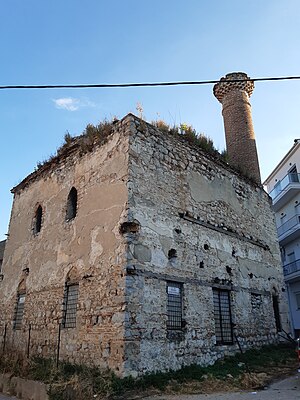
pixel 283 185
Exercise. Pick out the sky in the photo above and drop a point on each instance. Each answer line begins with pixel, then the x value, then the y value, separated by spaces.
pixel 120 41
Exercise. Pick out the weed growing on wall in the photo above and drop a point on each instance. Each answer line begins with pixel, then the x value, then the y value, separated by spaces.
pixel 189 134
pixel 92 135
pixel 98 134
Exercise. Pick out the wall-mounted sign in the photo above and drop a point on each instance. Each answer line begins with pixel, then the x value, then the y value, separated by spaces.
pixel 174 290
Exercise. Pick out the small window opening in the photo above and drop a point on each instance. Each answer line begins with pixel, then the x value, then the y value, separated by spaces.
pixel 19 311
pixel 71 205
pixel 172 253
pixel 276 313
pixel 228 269
pixel 174 306
pixel 222 314
pixel 70 305
pixel 38 220
pixel 206 246
pixel 130 227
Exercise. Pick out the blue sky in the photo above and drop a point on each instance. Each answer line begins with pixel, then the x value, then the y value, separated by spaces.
pixel 100 41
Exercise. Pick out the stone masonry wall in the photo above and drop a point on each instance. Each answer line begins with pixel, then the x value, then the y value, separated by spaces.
pixel 151 210
pixel 222 229
pixel 88 250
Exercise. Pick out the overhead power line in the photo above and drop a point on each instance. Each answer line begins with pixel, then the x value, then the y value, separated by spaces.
pixel 143 84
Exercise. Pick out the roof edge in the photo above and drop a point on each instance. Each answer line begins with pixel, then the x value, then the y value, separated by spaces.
pixel 74 147
pixel 282 161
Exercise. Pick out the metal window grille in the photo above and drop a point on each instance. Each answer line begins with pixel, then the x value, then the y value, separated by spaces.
pixel 70 306
pixel 174 305
pixel 222 313
pixel 19 311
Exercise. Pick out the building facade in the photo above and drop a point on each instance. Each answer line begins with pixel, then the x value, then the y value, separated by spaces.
pixel 283 184
pixel 2 248
pixel 140 252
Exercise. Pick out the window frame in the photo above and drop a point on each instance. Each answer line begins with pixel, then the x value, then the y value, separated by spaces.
pixel 70 303
pixel 175 321
pixel 19 311
pixel 222 316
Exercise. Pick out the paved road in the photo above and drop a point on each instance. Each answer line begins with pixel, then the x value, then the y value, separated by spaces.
pixel 287 389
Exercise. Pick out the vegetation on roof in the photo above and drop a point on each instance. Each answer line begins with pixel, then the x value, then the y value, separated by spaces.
pixel 98 134
pixel 91 136
pixel 190 135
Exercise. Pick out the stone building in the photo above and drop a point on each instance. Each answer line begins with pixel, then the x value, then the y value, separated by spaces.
pixel 142 253
pixel 2 247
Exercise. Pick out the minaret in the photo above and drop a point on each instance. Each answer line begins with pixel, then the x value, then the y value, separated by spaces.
pixel 239 132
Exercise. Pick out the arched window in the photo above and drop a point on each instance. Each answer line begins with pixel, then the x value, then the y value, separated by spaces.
pixel 38 220
pixel 71 205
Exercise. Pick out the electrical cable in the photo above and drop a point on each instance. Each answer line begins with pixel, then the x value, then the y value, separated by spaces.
pixel 143 84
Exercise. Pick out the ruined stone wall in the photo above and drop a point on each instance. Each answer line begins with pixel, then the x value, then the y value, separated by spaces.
pixel 151 210
pixel 222 229
pixel 88 250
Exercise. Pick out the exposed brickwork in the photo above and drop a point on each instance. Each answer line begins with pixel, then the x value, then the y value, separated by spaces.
pixel 223 88
pixel 88 249
pixel 239 131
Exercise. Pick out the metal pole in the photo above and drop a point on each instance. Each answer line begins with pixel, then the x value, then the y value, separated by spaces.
pixel 58 344
pixel 241 350
pixel 238 342
pixel 29 337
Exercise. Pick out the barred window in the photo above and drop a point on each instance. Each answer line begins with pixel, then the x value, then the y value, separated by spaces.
pixel 70 306
pixel 222 313
pixel 174 306
pixel 19 311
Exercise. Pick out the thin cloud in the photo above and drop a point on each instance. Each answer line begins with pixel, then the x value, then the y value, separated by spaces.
pixel 72 104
